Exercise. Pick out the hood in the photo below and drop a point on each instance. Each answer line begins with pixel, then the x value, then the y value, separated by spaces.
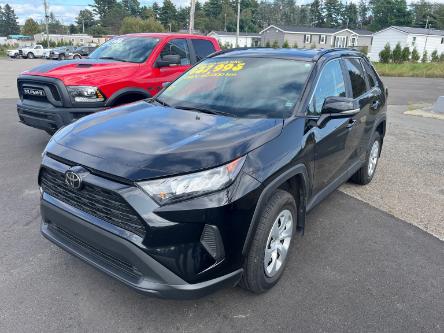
pixel 85 71
pixel 140 141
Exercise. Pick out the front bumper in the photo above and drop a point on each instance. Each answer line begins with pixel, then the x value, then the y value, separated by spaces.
pixel 121 259
pixel 48 117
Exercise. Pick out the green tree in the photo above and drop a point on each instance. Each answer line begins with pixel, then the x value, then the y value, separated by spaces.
pixel 132 24
pixel 405 54
pixel 30 27
pixel 275 44
pixel 267 44
pixel 55 26
pixel 425 56
pixel 423 13
pixel 317 13
pixel 415 55
pixel 333 13
pixel 132 7
pixel 434 57
pixel 285 45
pixel 102 7
pixel 350 15
pixel 112 20
pixel 85 20
pixel 295 45
pixel 168 14
pixel 386 54
pixel 441 57
pixel 156 10
pixel 9 21
pixel 73 29
pixel 363 11
pixel 397 54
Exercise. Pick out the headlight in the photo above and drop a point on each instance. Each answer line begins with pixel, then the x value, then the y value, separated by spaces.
pixel 82 94
pixel 194 184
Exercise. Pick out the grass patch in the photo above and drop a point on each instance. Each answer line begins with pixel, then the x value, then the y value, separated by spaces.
pixel 435 70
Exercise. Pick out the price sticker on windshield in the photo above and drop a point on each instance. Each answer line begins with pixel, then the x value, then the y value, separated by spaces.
pixel 226 68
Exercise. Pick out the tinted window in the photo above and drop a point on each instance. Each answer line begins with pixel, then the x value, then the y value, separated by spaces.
pixel 330 83
pixel 202 48
pixel 179 47
pixel 370 74
pixel 357 77
pixel 242 87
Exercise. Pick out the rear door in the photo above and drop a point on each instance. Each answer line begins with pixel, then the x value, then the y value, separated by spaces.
pixel 364 97
pixel 202 48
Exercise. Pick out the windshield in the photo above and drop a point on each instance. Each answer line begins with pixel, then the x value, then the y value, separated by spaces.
pixel 130 49
pixel 241 87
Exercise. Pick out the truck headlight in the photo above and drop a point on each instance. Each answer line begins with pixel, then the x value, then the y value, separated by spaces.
pixel 85 94
pixel 194 184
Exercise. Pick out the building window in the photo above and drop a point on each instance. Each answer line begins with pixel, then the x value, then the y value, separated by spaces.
pixel 413 41
pixel 322 39
pixel 353 41
pixel 307 38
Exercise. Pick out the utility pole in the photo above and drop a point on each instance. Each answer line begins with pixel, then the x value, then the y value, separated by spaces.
pixel 83 26
pixel 237 24
pixel 192 9
pixel 45 4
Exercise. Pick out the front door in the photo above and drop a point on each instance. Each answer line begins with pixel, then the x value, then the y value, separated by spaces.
pixel 161 75
pixel 332 139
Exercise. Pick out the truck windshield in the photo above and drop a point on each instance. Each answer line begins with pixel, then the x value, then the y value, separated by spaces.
pixel 127 49
pixel 240 87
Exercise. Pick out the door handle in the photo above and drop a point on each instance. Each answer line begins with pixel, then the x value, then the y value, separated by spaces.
pixel 375 105
pixel 351 123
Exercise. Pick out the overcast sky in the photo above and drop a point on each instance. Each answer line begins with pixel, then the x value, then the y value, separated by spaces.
pixel 67 10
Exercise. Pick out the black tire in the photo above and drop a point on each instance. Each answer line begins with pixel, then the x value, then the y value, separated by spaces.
pixel 254 277
pixel 61 56
pixel 362 176
pixel 30 55
pixel 76 57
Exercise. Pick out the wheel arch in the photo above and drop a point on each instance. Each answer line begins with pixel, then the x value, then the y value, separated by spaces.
pixel 294 180
pixel 126 93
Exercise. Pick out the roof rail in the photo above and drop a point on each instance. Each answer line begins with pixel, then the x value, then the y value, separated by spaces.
pixel 335 49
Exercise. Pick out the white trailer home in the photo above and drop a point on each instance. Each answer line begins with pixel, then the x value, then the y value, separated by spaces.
pixel 419 38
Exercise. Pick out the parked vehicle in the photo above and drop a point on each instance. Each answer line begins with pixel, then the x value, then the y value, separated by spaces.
pixel 206 184
pixel 123 70
pixel 82 52
pixel 36 51
pixel 62 53
pixel 13 53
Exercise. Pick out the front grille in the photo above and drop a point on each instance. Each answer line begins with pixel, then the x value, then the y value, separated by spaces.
pixel 96 201
pixel 37 84
pixel 111 259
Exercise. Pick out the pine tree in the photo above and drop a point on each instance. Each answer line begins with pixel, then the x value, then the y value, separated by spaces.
pixel 285 45
pixel 425 57
pixel 434 57
pixel 316 13
pixel 397 54
pixel 30 27
pixel 415 55
pixel 405 54
pixel 168 14
pixel 10 24
pixel 102 7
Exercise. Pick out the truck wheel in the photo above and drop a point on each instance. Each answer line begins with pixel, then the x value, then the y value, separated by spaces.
pixel 269 250
pixel 30 55
pixel 365 175
pixel 77 57
pixel 62 57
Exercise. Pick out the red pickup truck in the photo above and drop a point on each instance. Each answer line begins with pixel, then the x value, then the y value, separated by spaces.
pixel 125 69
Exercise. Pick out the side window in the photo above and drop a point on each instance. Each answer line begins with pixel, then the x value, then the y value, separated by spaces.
pixel 330 83
pixel 357 78
pixel 202 48
pixel 179 47
pixel 370 74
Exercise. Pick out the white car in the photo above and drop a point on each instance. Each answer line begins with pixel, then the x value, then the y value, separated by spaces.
pixel 12 53
pixel 36 51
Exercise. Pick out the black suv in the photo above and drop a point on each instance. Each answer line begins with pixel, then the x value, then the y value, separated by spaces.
pixel 206 184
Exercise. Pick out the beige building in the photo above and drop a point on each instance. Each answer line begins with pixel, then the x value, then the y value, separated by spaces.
pixel 312 37
pixel 75 39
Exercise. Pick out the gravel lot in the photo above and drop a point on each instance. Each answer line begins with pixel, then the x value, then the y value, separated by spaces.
pixel 359 267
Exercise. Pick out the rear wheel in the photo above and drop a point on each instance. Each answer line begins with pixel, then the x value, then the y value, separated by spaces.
pixel 268 254
pixel 77 57
pixel 365 174
pixel 62 57
pixel 30 55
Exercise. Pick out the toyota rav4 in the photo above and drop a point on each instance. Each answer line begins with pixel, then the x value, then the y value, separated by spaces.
pixel 206 184
pixel 123 70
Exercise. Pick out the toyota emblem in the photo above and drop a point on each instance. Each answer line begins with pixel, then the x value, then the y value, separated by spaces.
pixel 73 180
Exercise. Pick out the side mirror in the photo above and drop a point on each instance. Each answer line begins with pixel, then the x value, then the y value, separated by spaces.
pixel 168 60
pixel 339 106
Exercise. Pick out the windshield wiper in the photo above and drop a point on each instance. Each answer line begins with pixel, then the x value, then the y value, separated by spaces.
pixel 205 110
pixel 112 58
pixel 155 99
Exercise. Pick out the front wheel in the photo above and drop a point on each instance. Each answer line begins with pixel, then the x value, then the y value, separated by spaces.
pixel 30 55
pixel 365 174
pixel 76 57
pixel 270 246
pixel 62 57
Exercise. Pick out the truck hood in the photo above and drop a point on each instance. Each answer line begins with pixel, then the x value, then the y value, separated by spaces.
pixel 85 71
pixel 141 141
